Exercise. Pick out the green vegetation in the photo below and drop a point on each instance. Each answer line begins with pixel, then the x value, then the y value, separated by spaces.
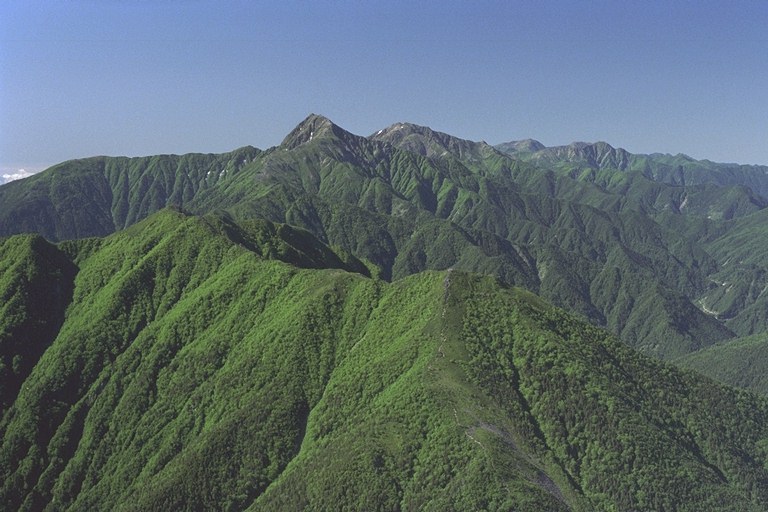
pixel 36 282
pixel 603 164
pixel 156 312
pixel 613 237
pixel 333 324
pixel 193 370
pixel 742 362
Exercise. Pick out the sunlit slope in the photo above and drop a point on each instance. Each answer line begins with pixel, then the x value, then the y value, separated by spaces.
pixel 608 166
pixel 742 362
pixel 194 371
pixel 99 195
pixel 637 252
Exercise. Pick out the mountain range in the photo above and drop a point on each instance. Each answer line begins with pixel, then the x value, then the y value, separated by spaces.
pixel 407 320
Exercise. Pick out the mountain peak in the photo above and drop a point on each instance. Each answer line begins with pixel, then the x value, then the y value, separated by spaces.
pixel 428 142
pixel 521 146
pixel 598 155
pixel 599 146
pixel 399 131
pixel 314 126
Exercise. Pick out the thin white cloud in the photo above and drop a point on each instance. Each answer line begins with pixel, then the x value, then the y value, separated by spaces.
pixel 15 175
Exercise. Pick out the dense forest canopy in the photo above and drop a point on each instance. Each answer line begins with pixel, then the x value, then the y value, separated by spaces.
pixel 407 320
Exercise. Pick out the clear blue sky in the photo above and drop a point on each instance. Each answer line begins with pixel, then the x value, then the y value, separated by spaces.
pixel 137 77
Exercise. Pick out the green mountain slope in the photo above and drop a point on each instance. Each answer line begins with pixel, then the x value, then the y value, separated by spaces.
pixel 36 282
pixel 193 371
pixel 738 294
pixel 97 196
pixel 569 234
pixel 588 160
pixel 583 228
pixel 742 362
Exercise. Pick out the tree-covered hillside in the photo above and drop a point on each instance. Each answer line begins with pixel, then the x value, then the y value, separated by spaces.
pixel 635 251
pixel 588 160
pixel 742 362
pixel 197 363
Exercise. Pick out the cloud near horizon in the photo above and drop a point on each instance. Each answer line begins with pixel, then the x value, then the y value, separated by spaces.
pixel 15 175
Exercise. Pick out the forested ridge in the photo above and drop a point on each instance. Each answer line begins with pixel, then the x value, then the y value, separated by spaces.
pixel 193 371
pixel 348 323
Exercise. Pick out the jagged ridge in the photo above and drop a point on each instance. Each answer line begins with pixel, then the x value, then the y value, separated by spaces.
pixel 614 246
